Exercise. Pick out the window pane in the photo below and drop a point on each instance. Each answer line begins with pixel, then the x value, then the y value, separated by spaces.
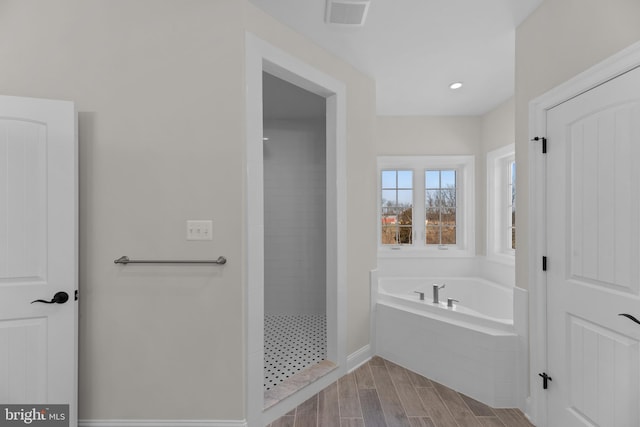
pixel 405 198
pixel 512 184
pixel 448 236
pixel 440 206
pixel 432 216
pixel 433 235
pixel 388 179
pixel 448 179
pixel 388 234
pixel 433 198
pixel 405 217
pixel 405 235
pixel 389 198
pixel 405 179
pixel 449 217
pixel 448 198
pixel 432 179
pixel 396 207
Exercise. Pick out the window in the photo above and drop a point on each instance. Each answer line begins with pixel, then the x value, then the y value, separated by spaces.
pixel 440 201
pixel 425 205
pixel 501 203
pixel 397 207
pixel 511 208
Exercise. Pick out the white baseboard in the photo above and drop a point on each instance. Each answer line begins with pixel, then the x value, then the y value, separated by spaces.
pixel 359 357
pixel 528 411
pixel 162 423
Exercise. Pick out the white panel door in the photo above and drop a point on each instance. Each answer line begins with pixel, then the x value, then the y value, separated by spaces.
pixel 38 252
pixel 593 247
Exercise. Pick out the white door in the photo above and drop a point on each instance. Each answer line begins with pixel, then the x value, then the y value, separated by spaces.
pixel 593 248
pixel 38 252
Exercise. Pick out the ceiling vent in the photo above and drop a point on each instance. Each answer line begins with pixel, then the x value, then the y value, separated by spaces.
pixel 347 12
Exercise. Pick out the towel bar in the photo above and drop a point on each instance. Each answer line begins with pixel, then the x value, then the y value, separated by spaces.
pixel 125 260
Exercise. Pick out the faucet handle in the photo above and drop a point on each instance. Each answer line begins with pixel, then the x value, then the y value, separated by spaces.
pixel 421 295
pixel 436 286
pixel 450 302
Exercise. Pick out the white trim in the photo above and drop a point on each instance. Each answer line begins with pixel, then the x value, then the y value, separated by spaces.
pixel 496 160
pixel 606 70
pixel 373 303
pixel 521 327
pixel 359 358
pixel 162 423
pixel 262 56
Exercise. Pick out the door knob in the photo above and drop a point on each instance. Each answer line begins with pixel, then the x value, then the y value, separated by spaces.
pixel 59 298
pixel 630 317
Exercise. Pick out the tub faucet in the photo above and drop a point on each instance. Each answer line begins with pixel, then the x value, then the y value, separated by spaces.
pixel 436 290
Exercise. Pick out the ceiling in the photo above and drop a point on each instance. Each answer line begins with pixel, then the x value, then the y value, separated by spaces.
pixel 414 49
pixel 283 101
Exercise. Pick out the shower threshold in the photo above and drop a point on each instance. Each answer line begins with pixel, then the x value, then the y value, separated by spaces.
pixel 297 382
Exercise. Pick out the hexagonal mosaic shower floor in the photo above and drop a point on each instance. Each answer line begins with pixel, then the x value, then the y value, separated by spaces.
pixel 291 344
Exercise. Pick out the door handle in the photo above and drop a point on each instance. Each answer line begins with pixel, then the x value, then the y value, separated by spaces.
pixel 630 317
pixel 59 298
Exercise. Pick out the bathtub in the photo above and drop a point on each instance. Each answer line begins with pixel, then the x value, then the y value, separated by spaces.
pixel 471 347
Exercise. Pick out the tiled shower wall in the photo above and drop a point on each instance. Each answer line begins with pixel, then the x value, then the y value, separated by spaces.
pixel 294 216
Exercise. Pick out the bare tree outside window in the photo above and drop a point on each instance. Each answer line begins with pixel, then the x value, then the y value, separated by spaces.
pixel 440 204
pixel 397 207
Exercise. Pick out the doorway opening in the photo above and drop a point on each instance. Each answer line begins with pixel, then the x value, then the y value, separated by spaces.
pixel 266 260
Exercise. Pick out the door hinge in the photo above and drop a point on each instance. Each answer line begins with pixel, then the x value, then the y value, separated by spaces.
pixel 544 263
pixel 544 143
pixel 545 380
pixel 75 295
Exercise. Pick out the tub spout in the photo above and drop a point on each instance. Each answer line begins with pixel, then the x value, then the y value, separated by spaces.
pixel 450 302
pixel 421 295
pixel 436 290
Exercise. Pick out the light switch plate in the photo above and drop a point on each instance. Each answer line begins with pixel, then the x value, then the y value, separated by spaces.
pixel 199 230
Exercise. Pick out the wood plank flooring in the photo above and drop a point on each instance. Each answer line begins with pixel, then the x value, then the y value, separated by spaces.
pixel 383 394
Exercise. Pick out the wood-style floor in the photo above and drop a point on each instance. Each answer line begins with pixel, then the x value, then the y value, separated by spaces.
pixel 383 394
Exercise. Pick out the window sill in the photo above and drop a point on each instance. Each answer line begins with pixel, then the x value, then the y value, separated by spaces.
pixel 405 252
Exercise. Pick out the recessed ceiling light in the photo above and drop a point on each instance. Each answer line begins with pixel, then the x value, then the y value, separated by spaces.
pixel 455 85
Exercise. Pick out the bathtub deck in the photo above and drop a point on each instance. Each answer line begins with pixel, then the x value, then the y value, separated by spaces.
pixel 381 393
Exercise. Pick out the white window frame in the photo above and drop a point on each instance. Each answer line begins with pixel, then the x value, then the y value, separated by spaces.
pixel 465 227
pixel 498 202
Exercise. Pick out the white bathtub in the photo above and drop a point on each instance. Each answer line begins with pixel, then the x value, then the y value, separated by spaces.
pixel 471 347
pixel 481 303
